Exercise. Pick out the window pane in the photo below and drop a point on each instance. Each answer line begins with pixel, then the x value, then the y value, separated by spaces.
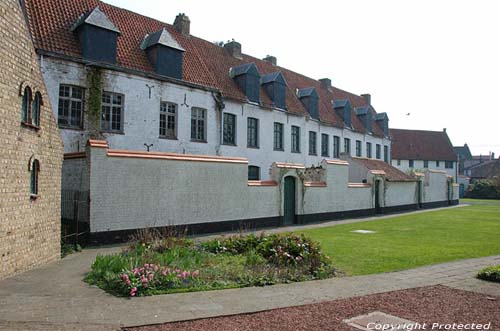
pixel 70 108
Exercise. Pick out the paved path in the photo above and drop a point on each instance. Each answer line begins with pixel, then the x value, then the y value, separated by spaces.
pixel 55 298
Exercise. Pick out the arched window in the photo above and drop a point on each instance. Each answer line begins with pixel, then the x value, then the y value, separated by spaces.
pixel 35 109
pixel 26 105
pixel 35 168
pixel 253 173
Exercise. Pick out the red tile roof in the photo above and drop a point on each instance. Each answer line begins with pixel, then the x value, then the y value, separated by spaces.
pixel 205 63
pixel 392 174
pixel 421 145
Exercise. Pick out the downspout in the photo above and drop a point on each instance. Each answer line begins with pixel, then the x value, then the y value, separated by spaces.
pixel 219 106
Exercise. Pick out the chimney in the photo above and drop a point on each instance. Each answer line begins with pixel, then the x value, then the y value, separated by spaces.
pixel 182 23
pixel 444 130
pixel 326 83
pixel 368 98
pixel 234 48
pixel 271 59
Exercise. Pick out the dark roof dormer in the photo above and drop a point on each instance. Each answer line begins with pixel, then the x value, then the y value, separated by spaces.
pixel 248 79
pixel 275 87
pixel 164 53
pixel 343 108
pixel 383 122
pixel 309 98
pixel 364 114
pixel 98 36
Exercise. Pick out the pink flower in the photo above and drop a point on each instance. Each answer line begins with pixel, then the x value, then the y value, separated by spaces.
pixel 133 291
pixel 150 277
pixel 195 273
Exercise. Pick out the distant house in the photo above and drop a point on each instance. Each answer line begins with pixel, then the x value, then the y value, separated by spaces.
pixel 477 159
pixel 485 170
pixel 464 154
pixel 421 150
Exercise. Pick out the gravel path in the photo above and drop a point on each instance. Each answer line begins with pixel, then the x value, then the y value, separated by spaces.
pixel 434 304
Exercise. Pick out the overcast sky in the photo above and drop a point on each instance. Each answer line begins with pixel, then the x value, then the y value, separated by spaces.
pixel 437 60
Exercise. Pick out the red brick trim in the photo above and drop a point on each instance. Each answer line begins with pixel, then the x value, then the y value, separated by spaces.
pixel 174 156
pixel 358 185
pixel 98 143
pixel 262 183
pixel 289 165
pixel 75 155
pixel 337 162
pixel 315 184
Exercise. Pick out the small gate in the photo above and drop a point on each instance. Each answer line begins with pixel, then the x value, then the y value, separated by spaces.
pixel 74 217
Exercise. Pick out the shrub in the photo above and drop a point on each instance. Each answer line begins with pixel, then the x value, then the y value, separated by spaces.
pixel 491 274
pixel 484 189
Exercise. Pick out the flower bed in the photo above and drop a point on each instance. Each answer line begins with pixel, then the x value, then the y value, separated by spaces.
pixel 491 274
pixel 168 265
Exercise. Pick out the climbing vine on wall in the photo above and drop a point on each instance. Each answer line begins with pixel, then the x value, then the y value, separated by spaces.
pixel 94 83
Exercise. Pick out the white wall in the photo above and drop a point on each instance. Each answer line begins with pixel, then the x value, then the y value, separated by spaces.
pixel 141 120
pixel 400 193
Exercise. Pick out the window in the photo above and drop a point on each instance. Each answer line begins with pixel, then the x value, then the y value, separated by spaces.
pixel 426 164
pixel 448 164
pixel 378 151
pixel 411 163
pixel 399 162
pixel 35 168
pixel 253 173
pixel 229 132
pixel 295 139
pixel 198 124
pixel 35 109
pixel 312 143
pixel 112 112
pixel 369 150
pixel 26 105
pixel 168 120
pixel 278 136
pixel 347 146
pixel 386 154
pixel 336 147
pixel 358 148
pixel 252 132
pixel 70 108
pixel 325 145
pixel 437 164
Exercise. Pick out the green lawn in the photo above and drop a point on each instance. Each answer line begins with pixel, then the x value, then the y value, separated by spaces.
pixel 410 241
pixel 480 200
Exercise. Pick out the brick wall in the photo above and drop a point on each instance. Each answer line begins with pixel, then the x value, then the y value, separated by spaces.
pixel 29 228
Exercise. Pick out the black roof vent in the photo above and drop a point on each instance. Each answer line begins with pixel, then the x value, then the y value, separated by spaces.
pixel 383 122
pixel 98 36
pixel 275 87
pixel 343 108
pixel 164 53
pixel 309 98
pixel 364 113
pixel 248 79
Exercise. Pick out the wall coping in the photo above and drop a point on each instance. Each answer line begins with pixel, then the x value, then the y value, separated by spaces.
pixel 378 172
pixel 174 156
pixel 437 171
pixel 262 183
pixel 315 184
pixel 358 185
pixel 75 155
pixel 337 162
pixel 98 143
pixel 289 165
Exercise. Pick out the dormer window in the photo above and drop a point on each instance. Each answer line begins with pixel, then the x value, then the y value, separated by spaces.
pixel 365 116
pixel 343 108
pixel 309 98
pixel 164 53
pixel 98 36
pixel 275 87
pixel 382 121
pixel 248 79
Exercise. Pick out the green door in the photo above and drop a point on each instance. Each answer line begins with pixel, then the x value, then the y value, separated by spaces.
pixel 378 209
pixel 289 201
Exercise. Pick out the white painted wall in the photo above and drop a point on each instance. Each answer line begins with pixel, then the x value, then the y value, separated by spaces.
pixel 400 193
pixel 141 120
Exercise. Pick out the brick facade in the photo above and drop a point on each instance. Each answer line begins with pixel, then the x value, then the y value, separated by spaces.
pixel 29 226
